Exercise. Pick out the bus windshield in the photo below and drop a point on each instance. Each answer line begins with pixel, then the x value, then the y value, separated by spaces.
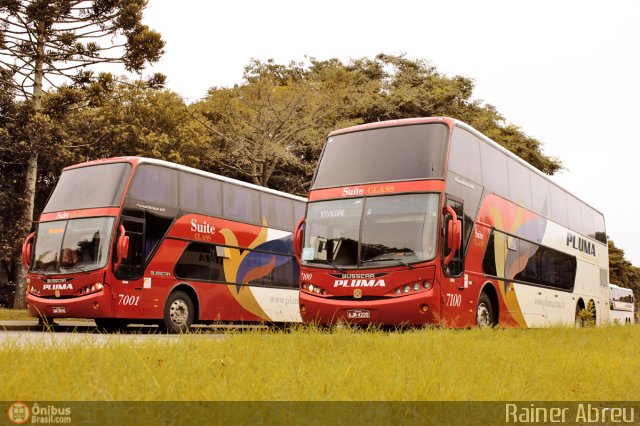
pixel 87 187
pixel 67 246
pixel 374 231
pixel 385 154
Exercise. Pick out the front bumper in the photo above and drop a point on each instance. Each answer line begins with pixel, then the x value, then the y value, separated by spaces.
pixel 417 309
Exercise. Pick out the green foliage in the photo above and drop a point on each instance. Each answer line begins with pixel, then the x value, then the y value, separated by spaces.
pixel 622 272
pixel 42 42
pixel 48 38
pixel 270 129
pixel 587 315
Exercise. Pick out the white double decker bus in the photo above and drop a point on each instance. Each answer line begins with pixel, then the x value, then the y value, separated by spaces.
pixel 621 305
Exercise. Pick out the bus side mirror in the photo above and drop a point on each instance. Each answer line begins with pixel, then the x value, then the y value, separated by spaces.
pixel 454 234
pixel 297 239
pixel 27 248
pixel 122 248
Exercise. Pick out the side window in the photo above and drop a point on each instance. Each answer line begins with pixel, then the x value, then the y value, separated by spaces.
pixel 464 155
pixel 201 194
pixel 512 258
pixel 494 170
pixel 284 272
pixel 601 234
pixel 540 195
pixel 519 183
pixel 575 214
pixel 156 227
pixel 298 211
pixel 155 184
pixel 277 211
pixel 558 205
pixel 241 204
pixel 200 262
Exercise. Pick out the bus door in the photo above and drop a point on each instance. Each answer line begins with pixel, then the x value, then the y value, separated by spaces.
pixel 129 274
pixel 137 289
pixel 455 296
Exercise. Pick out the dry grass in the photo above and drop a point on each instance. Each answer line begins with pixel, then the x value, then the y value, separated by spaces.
pixel 14 314
pixel 310 364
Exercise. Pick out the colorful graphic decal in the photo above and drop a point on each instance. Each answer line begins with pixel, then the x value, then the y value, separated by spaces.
pixel 510 263
pixel 245 266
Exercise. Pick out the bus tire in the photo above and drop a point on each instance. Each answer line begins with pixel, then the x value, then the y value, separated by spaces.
pixel 178 313
pixel 579 320
pixel 46 322
pixel 110 325
pixel 485 312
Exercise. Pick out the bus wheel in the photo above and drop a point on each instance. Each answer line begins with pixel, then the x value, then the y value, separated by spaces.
pixel 484 313
pixel 46 322
pixel 579 319
pixel 178 313
pixel 110 325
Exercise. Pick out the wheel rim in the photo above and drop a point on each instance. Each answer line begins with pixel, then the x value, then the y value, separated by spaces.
pixel 179 312
pixel 483 316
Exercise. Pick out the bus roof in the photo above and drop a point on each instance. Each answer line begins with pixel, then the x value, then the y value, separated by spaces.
pixel 145 160
pixel 612 285
pixel 457 123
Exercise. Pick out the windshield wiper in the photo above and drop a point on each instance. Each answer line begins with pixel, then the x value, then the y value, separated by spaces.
pixel 383 259
pixel 79 268
pixel 330 264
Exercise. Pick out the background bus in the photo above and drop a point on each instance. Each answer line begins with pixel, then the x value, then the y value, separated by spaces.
pixel 428 221
pixel 621 305
pixel 132 238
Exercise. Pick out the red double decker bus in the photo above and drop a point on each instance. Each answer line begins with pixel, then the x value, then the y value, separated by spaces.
pixel 426 220
pixel 139 240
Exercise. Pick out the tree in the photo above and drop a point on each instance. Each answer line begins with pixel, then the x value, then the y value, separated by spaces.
pixel 43 41
pixel 270 129
pixel 414 88
pixel 622 272
pixel 130 118
pixel 273 124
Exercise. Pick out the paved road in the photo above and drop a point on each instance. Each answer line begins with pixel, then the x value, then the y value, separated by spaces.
pixel 70 331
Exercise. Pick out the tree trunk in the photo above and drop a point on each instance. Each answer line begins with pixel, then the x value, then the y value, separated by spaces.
pixel 31 174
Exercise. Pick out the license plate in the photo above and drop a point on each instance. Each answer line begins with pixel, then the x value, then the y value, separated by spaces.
pixel 59 310
pixel 358 314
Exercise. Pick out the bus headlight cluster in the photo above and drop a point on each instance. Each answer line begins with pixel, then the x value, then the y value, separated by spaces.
pixel 414 287
pixel 313 289
pixel 34 290
pixel 91 288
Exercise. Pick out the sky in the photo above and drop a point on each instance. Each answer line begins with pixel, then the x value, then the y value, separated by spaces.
pixel 566 72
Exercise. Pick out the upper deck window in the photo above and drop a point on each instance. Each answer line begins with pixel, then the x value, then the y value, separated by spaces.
pixel 155 184
pixel 383 155
pixel 88 187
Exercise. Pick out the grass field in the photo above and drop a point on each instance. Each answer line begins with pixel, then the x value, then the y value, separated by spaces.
pixel 13 314
pixel 354 365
